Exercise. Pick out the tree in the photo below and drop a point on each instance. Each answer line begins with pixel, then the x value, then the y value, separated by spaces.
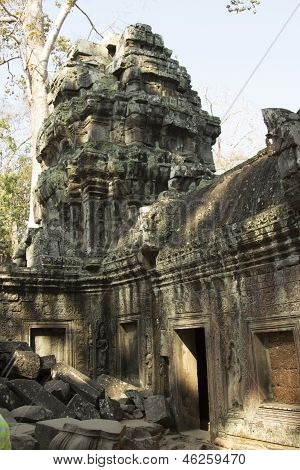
pixel 243 131
pixel 239 6
pixel 29 36
pixel 15 178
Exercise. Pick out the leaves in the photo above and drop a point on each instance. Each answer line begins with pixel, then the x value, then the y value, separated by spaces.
pixel 239 6
pixel 15 176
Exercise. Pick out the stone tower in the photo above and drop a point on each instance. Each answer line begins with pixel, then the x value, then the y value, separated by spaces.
pixel 125 127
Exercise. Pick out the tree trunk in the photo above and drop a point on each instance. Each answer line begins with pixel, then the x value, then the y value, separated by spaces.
pixel 37 80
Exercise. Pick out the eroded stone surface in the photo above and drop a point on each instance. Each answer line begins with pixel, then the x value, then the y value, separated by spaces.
pixel 158 411
pixel 110 409
pixel 25 364
pixel 79 383
pixel 45 431
pixel 34 394
pixel 59 389
pixel 8 399
pixel 80 408
pixel 31 414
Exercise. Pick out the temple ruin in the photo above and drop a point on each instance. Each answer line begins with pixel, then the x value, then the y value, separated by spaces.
pixel 148 267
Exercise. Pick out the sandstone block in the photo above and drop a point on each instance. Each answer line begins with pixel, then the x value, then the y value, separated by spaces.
pixel 140 429
pixel 8 399
pixel 31 414
pixel 79 383
pixel 114 388
pixel 137 398
pixel 45 431
pixel 47 362
pixel 137 414
pixel 23 441
pixel 157 410
pixel 59 389
pixel 80 408
pixel 25 364
pixel 110 409
pixel 34 394
pixel 89 434
pixel 24 428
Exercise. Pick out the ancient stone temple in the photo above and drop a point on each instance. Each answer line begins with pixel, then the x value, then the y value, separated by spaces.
pixel 149 267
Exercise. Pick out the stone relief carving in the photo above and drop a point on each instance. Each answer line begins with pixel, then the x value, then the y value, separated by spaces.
pixel 101 348
pixel 234 377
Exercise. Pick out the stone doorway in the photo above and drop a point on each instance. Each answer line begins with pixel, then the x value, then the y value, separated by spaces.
pixel 191 379
pixel 47 341
pixel 129 351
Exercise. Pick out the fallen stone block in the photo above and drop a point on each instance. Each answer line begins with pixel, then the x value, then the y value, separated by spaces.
pixel 141 429
pixel 25 364
pixel 158 411
pixel 114 388
pixel 110 409
pixel 23 441
pixel 138 397
pixel 8 399
pixel 128 408
pixel 47 362
pixel 149 443
pixel 127 415
pixel 79 383
pixel 34 394
pixel 59 389
pixel 8 417
pixel 31 414
pixel 45 431
pixel 7 349
pixel 80 408
pixel 129 444
pixel 137 414
pixel 23 428
pixel 91 434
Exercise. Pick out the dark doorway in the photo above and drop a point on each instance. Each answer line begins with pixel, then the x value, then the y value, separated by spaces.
pixel 129 352
pixel 191 379
pixel 47 341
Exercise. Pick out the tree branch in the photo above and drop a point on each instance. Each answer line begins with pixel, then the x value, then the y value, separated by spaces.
pixel 54 32
pixel 8 19
pixel 6 61
pixel 9 13
pixel 89 20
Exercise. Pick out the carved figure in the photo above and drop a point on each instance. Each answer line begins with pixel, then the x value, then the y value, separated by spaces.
pixel 101 348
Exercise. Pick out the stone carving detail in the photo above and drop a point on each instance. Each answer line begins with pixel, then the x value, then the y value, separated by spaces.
pixel 234 377
pixel 101 348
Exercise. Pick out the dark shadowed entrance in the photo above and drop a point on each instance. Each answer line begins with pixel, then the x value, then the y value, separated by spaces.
pixel 192 401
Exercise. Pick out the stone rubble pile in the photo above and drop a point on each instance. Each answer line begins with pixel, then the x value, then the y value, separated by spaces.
pixel 52 405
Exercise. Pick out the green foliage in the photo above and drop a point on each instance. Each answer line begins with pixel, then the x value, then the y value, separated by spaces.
pixel 239 6
pixel 59 52
pixel 15 177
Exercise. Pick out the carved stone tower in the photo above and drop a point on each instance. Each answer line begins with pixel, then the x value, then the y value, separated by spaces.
pixel 126 126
